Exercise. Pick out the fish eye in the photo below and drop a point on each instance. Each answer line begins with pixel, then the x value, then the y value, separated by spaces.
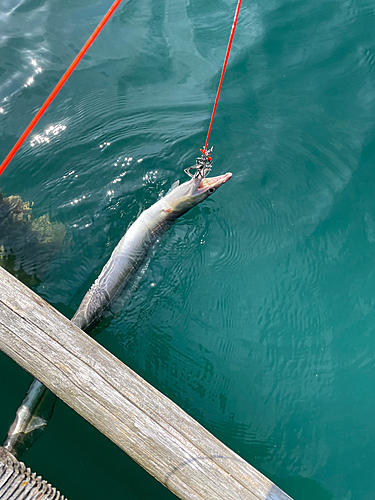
pixel 211 190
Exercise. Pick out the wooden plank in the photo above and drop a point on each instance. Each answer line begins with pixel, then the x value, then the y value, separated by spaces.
pixel 149 427
pixel 17 482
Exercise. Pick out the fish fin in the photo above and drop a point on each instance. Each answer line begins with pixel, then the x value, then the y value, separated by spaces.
pixel 174 185
pixel 165 206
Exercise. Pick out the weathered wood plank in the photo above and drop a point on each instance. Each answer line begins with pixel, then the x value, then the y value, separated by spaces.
pixel 149 427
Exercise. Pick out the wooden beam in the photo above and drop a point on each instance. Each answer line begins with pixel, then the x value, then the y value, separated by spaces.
pixel 149 427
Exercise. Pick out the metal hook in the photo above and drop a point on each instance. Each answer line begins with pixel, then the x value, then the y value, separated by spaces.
pixel 203 165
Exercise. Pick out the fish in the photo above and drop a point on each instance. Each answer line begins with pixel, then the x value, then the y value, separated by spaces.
pixel 132 250
pixel 122 267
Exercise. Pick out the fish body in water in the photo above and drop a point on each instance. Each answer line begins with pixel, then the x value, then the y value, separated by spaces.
pixel 134 247
pixel 123 265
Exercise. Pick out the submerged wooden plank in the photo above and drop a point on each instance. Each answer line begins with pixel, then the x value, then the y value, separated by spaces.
pixel 17 482
pixel 149 427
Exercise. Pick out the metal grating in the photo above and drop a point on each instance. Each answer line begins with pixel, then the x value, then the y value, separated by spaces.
pixel 17 482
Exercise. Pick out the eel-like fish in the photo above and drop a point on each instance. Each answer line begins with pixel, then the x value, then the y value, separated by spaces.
pixel 123 265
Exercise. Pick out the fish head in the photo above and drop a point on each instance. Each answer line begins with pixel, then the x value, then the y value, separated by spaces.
pixel 185 196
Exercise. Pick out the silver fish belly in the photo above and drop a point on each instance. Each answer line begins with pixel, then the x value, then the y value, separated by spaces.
pixel 124 263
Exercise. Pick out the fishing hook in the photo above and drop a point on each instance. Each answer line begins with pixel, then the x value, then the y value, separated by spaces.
pixel 202 165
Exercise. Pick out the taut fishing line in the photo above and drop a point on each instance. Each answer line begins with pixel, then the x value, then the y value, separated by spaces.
pixel 203 163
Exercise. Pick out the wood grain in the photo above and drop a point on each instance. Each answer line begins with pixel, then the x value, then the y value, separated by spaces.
pixel 149 427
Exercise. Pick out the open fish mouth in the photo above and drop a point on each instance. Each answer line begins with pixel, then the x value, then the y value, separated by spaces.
pixel 214 182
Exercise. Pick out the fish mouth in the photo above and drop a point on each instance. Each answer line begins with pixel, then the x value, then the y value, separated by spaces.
pixel 214 182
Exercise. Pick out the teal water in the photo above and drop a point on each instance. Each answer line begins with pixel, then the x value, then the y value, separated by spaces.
pixel 256 314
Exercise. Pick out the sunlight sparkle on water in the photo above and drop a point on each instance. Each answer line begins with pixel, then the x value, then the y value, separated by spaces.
pixel 44 137
pixel 150 177
pixel 77 200
pixel 38 70
pixel 29 81
pixel 68 174
pixel 35 64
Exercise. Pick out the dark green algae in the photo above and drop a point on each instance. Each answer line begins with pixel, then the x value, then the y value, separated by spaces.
pixel 27 244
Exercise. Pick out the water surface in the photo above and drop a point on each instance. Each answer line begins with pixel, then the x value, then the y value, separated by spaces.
pixel 256 315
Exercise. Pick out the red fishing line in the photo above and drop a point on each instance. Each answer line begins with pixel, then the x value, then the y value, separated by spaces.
pixel 56 90
pixel 223 72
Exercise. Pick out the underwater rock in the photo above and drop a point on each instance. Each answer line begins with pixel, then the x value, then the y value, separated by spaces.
pixel 15 209
pixel 27 245
pixel 47 232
